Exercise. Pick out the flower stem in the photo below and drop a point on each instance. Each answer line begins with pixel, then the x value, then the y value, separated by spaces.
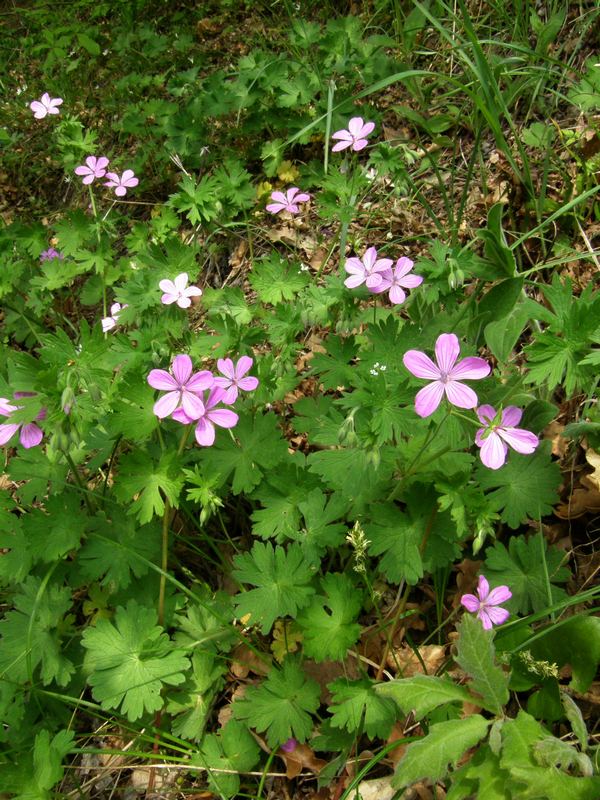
pixel 79 482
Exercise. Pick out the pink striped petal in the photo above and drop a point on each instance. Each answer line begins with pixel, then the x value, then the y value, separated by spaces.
pixel 496 615
pixel 223 417
pixel 192 405
pixel 182 368
pixel 397 296
pixel 243 366
pixel 353 281
pixel 511 416
pixel 483 588
pixel 519 439
pixel 7 431
pixel 184 302
pixel 31 435
pixel 499 595
pixel 193 291
pixel 181 281
pixel 484 616
pixel 410 281
pixel 200 381
pixel 486 414
pixel 461 395
pixel 167 286
pixel 161 379
pixel 248 384
pixel 470 602
pixel 340 146
pixel 275 208
pixel 231 394
pixel 447 349
pixel 360 144
pixel 429 398
pixel 493 451
pixel 471 368
pixel 167 404
pixel 420 365
pixel 205 432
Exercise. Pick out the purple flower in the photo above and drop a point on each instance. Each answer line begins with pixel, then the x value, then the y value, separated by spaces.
pixel 289 746
pixel 485 604
pixel 96 168
pixel 108 323
pixel 288 201
pixel 366 270
pixel 397 280
pixel 446 375
pixel 178 291
pixel 234 378
pixel 121 184
pixel 211 416
pixel 45 105
pixel 30 435
pixel 498 433
pixel 356 135
pixel 50 254
pixel 182 388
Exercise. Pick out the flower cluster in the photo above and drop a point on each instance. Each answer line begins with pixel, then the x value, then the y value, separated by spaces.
pixel 30 434
pixel 379 275
pixel 95 168
pixel 195 397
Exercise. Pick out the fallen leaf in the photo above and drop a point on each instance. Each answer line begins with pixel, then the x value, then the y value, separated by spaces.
pixel 302 757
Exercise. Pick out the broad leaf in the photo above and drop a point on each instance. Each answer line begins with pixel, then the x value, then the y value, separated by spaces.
pixel 475 654
pixel 422 693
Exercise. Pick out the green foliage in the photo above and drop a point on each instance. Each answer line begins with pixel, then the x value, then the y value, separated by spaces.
pixel 423 693
pixel 283 580
pixel 128 663
pixel 329 622
pixel 232 750
pixel 282 706
pixel 357 706
pixel 475 654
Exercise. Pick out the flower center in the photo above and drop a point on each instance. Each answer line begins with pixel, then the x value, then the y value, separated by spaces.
pixel 444 377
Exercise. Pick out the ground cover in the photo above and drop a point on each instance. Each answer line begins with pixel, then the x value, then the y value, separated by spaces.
pixel 298 386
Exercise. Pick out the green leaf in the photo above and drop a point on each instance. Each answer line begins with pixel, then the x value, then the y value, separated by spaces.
pixel 396 537
pixel 482 777
pixel 434 754
pixel 523 569
pixel 357 706
pixel 192 703
pixel 475 654
pixel 129 662
pixel 276 280
pixel 495 247
pixel 320 529
pixel 575 717
pixel 261 447
pixel 31 634
pixel 526 487
pixel 422 693
pixel 145 482
pixel 502 336
pixel 55 531
pixel 88 44
pixel 117 550
pixel 281 579
pixel 16 559
pixel 329 623
pixel 36 475
pixel 576 642
pixel 233 750
pixel 282 706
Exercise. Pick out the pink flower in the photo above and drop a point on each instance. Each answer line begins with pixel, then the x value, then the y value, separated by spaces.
pixel 485 605
pixel 121 184
pixel 356 135
pixel 234 378
pixel 182 388
pixel 45 105
pixel 50 254
pixel 108 323
pixel 96 168
pixel 498 433
pixel 446 375
pixel 366 270
pixel 397 280
pixel 288 201
pixel 30 435
pixel 178 291
pixel 205 427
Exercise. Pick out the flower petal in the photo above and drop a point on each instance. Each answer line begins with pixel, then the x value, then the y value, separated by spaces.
pixel 31 435
pixel 486 414
pixel 180 416
pixel 499 595
pixel 167 404
pixel 461 395
pixel 485 618
pixel 483 588
pixel 161 379
pixel 359 144
pixel 470 602
pixel 275 208
pixel 519 439
pixel 223 417
pixel 403 267
pixel 420 365
pixel 497 615
pixel 344 135
pixel 356 125
pixel 429 398
pixel 410 281
pixel 167 286
pixel 7 431
pixel 200 381
pixel 167 299
pixel 397 296
pixel 248 384
pixel 231 394
pixel 243 366
pixel 367 128
pixel 493 451
pixel 181 281
pixel 511 416
pixel 471 368
pixel 353 281
pixel 181 368
pixel 354 266
pixel 192 405
pixel 369 258
pixel 205 433
pixel 193 291
pixel 447 349
pixel 184 302
pixel 339 146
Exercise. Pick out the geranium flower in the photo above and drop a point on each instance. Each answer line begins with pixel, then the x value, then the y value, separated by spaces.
pixel 108 323
pixel 288 201
pixel 182 388
pixel 45 105
pixel 498 434
pixel 96 168
pixel 234 378
pixel 205 427
pixel 397 280
pixel 178 291
pixel 366 270
pixel 355 136
pixel 446 375
pixel 121 184
pixel 486 604
pixel 31 435
pixel 50 254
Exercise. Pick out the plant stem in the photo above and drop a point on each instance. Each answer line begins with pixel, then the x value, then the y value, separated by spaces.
pixel 79 482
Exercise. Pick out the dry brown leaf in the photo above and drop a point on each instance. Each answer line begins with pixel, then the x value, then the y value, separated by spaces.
pixel 376 789
pixel 245 661
pixel 405 661
pixel 560 443
pixel 302 757
pixel 593 459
